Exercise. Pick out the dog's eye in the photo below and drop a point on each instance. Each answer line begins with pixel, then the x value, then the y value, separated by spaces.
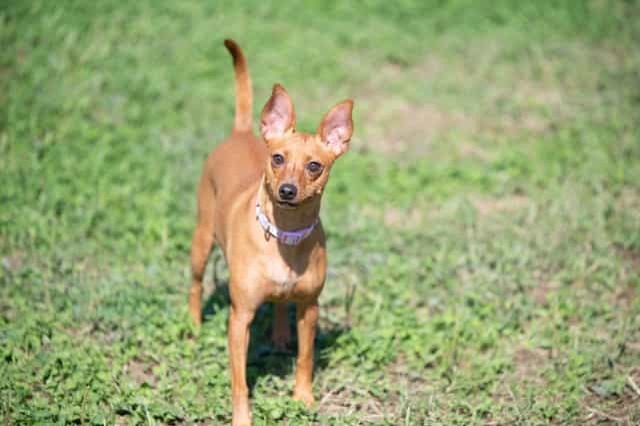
pixel 277 159
pixel 314 167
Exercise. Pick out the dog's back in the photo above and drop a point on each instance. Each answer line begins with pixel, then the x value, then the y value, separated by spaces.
pixel 238 162
pixel 235 165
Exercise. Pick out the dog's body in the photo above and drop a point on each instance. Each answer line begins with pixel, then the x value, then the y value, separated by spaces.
pixel 281 257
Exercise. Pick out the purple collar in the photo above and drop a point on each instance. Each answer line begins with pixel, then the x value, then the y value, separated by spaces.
pixel 290 238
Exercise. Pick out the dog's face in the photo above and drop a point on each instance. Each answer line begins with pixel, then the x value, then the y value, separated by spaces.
pixel 299 163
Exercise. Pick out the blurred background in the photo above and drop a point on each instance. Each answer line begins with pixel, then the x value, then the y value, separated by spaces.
pixel 483 230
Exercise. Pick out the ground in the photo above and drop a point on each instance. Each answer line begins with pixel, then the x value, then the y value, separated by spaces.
pixel 483 230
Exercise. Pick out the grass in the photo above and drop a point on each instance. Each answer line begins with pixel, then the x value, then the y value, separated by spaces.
pixel 484 230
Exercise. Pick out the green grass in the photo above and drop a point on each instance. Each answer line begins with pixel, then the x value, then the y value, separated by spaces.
pixel 484 230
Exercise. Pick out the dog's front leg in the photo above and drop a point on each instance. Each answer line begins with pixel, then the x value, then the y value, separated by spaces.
pixel 239 321
pixel 307 317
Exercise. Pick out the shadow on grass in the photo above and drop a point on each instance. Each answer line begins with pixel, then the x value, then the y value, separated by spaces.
pixel 263 357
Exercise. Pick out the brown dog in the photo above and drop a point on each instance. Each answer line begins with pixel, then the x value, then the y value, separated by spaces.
pixel 259 200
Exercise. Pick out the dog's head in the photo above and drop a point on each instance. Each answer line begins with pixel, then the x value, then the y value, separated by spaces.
pixel 299 163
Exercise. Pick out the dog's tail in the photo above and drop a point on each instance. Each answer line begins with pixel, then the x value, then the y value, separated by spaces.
pixel 244 95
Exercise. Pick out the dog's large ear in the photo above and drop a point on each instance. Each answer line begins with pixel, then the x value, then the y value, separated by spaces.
pixel 278 116
pixel 336 127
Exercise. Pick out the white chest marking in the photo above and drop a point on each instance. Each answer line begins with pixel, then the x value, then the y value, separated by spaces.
pixel 281 274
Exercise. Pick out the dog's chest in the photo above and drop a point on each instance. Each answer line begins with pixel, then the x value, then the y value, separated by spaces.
pixel 281 275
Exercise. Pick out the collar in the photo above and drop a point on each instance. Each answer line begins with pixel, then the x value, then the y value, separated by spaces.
pixel 290 238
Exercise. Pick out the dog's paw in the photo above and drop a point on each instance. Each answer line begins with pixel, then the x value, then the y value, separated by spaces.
pixel 303 395
pixel 241 416
pixel 241 422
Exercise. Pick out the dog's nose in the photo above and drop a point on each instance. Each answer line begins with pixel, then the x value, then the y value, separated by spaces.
pixel 287 191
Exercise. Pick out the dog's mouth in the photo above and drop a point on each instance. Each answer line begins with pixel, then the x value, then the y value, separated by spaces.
pixel 287 205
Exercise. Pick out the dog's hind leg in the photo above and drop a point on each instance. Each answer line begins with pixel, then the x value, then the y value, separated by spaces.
pixel 203 238
pixel 281 334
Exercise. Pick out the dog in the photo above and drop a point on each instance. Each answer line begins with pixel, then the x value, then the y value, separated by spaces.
pixel 259 201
